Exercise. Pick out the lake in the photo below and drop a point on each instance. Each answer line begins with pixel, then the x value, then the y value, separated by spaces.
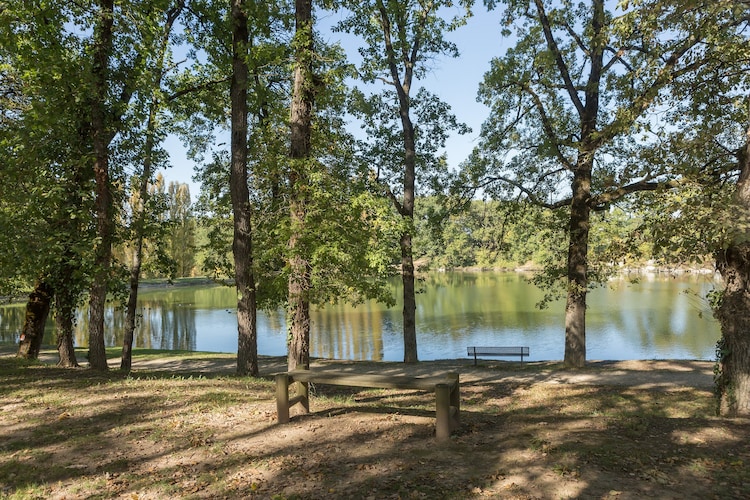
pixel 659 317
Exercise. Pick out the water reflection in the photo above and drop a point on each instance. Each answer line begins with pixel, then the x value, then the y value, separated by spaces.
pixel 654 318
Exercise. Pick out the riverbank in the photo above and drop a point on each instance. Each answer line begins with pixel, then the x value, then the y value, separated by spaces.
pixel 183 426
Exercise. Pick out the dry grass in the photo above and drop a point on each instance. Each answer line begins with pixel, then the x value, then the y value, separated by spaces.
pixel 77 434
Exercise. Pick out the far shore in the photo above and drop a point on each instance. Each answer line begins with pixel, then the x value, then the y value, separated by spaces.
pixel 422 267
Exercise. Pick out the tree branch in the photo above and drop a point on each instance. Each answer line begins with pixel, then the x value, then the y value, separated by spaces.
pixel 532 197
pixel 602 201
pixel 196 88
pixel 561 66
pixel 547 124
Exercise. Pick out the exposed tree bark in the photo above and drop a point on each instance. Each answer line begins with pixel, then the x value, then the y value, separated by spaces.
pixel 577 271
pixel 37 310
pixel 303 95
pixel 733 313
pixel 242 248
pixel 64 323
pixel 126 359
pixel 103 205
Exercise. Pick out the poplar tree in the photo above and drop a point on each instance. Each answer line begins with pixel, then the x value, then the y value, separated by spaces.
pixel 406 125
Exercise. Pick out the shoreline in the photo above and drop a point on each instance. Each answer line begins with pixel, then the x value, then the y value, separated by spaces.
pixel 664 374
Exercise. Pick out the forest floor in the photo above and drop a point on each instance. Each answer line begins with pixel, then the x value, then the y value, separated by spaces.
pixel 184 426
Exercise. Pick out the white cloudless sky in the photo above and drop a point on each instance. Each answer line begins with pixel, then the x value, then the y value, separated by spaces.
pixel 455 81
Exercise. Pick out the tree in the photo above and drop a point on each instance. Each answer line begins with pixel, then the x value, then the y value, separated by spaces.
pixel 709 146
pixel 571 104
pixel 242 246
pixel 733 309
pixel 401 38
pixel 337 230
pixel 182 228
pixel 46 173
pixel 142 205
pixel 101 136
pixel 300 153
pixel 714 153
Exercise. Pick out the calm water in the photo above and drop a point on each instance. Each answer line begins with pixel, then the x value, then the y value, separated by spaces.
pixel 659 317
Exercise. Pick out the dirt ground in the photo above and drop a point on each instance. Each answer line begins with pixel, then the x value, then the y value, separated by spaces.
pixel 643 374
pixel 185 427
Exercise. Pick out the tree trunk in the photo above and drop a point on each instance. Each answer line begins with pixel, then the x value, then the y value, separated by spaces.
pixel 406 207
pixel 126 359
pixel 37 310
pixel 141 211
pixel 733 313
pixel 300 150
pixel 103 204
pixel 410 300
pixel 64 321
pixel 577 269
pixel 580 211
pixel 242 246
pixel 407 258
pixel 298 316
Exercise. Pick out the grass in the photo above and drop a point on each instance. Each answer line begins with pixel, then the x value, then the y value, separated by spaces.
pixel 73 433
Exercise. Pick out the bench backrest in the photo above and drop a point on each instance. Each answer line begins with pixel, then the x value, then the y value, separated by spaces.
pixel 498 351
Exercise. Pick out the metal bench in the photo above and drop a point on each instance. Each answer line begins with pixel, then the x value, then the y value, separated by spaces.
pixel 446 389
pixel 498 351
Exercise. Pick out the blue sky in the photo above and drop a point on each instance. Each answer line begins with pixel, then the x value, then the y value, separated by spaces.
pixel 454 80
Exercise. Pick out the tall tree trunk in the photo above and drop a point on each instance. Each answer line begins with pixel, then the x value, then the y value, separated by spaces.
pixel 733 313
pixel 242 246
pixel 300 149
pixel 407 211
pixel 577 270
pixel 580 211
pixel 410 300
pixel 126 360
pixel 64 322
pixel 406 207
pixel 104 217
pixel 37 310
pixel 407 258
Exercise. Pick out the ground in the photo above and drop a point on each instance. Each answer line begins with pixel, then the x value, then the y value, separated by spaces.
pixel 186 427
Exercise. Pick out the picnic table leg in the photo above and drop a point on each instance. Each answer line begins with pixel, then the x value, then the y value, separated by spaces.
pixel 442 412
pixel 282 398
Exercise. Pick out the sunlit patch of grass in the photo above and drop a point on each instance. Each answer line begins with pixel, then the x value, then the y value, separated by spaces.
pixel 25 492
pixel 336 399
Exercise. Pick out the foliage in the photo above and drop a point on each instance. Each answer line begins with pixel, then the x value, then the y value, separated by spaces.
pixel 45 182
pixel 346 232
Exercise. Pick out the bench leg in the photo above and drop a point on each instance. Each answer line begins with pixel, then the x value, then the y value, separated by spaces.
pixel 303 396
pixel 455 402
pixel 282 398
pixel 442 412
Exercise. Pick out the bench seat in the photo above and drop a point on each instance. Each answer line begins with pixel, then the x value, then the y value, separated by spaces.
pixel 446 388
